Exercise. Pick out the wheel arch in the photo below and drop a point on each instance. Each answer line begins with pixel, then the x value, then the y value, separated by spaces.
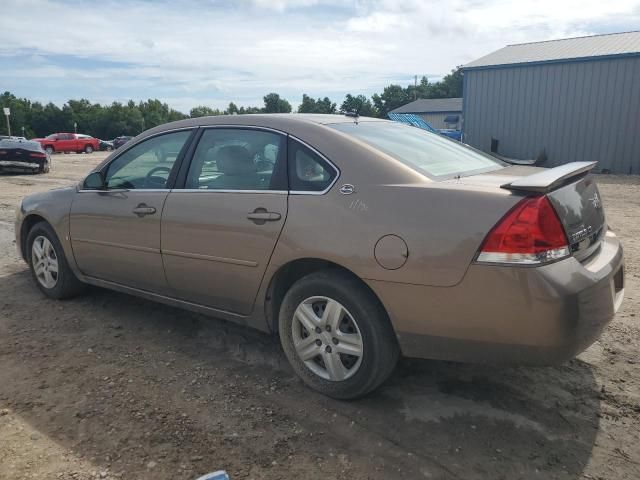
pixel 27 224
pixel 289 273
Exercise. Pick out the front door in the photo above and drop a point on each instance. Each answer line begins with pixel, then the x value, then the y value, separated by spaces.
pixel 115 231
pixel 66 142
pixel 218 233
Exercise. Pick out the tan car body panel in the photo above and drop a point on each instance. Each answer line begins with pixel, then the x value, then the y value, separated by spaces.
pixel 440 303
pixel 111 243
pixel 214 255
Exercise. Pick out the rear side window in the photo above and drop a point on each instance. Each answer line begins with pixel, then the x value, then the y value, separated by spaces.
pixel 308 172
pixel 428 153
pixel 238 159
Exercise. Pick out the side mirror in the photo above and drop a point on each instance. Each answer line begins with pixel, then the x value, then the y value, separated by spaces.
pixel 94 181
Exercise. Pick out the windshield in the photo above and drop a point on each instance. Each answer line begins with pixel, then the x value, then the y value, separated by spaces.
pixel 53 136
pixel 428 153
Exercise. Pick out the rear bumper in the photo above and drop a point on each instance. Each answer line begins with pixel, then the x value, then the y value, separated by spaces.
pixel 522 315
pixel 10 165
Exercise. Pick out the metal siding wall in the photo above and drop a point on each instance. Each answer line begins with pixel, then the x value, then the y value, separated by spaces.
pixel 436 120
pixel 580 111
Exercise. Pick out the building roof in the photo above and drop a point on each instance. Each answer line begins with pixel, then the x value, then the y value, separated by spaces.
pixel 613 44
pixel 431 105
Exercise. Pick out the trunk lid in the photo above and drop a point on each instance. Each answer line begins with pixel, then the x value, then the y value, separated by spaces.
pixel 570 189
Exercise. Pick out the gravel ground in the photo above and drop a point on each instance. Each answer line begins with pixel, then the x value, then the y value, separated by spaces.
pixel 111 386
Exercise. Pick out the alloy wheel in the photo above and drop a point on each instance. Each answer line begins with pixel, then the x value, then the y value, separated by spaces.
pixel 45 262
pixel 327 339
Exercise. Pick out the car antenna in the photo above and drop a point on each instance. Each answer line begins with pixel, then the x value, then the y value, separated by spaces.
pixel 355 115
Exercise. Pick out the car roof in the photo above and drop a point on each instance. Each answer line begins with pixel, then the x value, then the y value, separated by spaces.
pixel 280 121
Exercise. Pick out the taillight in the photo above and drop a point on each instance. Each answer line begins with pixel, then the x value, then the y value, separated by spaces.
pixel 530 233
pixel 38 155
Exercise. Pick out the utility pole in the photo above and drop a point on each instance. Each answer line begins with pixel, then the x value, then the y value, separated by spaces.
pixel 415 88
pixel 75 127
pixel 7 112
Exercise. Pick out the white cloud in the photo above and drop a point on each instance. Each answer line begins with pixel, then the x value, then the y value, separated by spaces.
pixel 216 52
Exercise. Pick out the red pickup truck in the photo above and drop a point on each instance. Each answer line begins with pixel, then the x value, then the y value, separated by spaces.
pixel 68 142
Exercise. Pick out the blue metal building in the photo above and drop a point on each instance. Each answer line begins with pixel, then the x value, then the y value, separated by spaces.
pixel 576 99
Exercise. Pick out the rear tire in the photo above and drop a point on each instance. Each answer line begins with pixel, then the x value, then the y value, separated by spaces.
pixel 48 264
pixel 88 149
pixel 316 350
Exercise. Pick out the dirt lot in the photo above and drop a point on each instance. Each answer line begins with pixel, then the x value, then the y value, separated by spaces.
pixel 111 386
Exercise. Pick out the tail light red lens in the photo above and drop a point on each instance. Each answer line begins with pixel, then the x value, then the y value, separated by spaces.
pixel 530 233
pixel 38 155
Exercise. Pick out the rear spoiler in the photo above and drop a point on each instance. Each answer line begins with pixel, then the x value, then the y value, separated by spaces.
pixel 550 179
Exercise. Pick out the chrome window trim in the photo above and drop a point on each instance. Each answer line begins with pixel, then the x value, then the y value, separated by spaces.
pixel 213 190
pixel 116 191
pixel 331 164
pixel 157 134
pixel 118 153
pixel 293 137
pixel 244 127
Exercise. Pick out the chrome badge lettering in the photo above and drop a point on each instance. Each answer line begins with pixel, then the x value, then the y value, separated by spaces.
pixel 581 234
pixel 595 201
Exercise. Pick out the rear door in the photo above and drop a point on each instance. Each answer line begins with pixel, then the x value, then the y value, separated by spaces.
pixel 115 233
pixel 219 231
pixel 67 142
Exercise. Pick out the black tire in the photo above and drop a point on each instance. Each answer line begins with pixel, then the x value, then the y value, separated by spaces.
pixel 88 149
pixel 380 350
pixel 49 149
pixel 45 168
pixel 67 284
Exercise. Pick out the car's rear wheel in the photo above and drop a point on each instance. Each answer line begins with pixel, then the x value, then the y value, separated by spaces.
pixel 88 149
pixel 337 335
pixel 49 149
pixel 48 265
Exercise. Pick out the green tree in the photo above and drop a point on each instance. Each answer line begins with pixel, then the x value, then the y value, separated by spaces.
pixel 204 111
pixel 392 97
pixel 274 104
pixel 360 104
pixel 232 109
pixel 247 110
pixel 309 105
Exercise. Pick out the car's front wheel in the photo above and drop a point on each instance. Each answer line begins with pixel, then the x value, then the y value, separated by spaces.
pixel 337 335
pixel 48 264
pixel 88 149
pixel 49 149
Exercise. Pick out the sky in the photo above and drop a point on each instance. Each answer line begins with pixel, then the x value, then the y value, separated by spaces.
pixel 211 52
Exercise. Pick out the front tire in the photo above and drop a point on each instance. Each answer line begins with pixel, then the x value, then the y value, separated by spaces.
pixel 336 335
pixel 88 149
pixel 48 264
pixel 49 149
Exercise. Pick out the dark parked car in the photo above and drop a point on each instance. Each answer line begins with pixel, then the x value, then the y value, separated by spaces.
pixel 120 141
pixel 23 155
pixel 355 240
pixel 106 145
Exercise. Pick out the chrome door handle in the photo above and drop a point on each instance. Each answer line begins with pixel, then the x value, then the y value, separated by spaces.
pixel 260 216
pixel 143 209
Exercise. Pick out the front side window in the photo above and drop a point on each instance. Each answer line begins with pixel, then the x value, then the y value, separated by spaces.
pixel 428 153
pixel 147 165
pixel 308 172
pixel 238 159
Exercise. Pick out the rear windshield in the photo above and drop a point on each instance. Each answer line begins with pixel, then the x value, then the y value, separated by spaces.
pixel 25 145
pixel 431 154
